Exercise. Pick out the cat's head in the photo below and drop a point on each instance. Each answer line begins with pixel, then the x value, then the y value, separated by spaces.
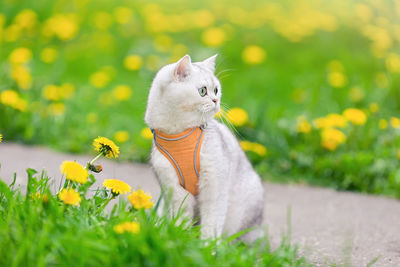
pixel 183 95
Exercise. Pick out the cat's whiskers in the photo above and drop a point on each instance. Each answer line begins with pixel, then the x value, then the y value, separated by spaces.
pixel 228 122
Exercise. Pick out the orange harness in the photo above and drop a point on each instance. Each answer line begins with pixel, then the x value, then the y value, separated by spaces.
pixel 183 151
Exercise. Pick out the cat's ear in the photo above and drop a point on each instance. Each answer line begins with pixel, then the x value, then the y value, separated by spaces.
pixel 210 62
pixel 183 68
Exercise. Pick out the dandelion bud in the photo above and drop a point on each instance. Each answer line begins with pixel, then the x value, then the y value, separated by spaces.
pixel 95 168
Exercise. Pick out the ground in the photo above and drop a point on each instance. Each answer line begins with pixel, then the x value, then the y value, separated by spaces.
pixel 330 227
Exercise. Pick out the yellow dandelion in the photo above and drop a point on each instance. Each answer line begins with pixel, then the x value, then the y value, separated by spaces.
pixel 337 79
pixel 9 97
pixel 127 227
pixel 237 116
pixel 253 55
pixel 331 138
pixel 26 19
pixel 374 107
pixel 140 200
pixel 335 65
pixel 100 79
pixel 117 186
pixel 106 146
pixel 121 136
pixel 356 94
pixel 70 197
pixel 246 145
pixel 56 109
pixel 133 62
pixel 22 76
pixel 383 124
pixel 393 63
pixel 146 133
pixel 64 26
pixel 123 15
pixel 257 148
pixel 1 138
pixel 20 55
pixel 355 116
pixel 122 92
pixel 21 105
pixel 303 126
pixel 73 171
pixel 48 55
pixel 335 120
pixel 102 20
pixel 214 36
pixel 52 92
pixel 67 90
pixel 203 18
pixel 395 122
pixel 398 154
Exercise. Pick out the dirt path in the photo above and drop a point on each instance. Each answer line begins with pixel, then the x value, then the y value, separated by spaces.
pixel 329 227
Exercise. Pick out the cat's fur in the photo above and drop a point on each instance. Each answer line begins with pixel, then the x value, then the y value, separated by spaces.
pixel 231 196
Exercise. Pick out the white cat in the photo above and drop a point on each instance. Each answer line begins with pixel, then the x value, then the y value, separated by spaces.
pixel 186 95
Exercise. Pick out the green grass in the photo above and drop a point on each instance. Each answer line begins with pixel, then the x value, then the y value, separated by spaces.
pixel 45 232
pixel 300 42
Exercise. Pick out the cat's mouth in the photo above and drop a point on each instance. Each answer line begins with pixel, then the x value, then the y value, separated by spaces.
pixel 209 108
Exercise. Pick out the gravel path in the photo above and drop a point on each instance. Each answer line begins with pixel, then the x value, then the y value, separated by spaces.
pixel 330 227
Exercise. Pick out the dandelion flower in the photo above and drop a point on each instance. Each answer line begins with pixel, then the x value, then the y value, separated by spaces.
pixel 106 146
pixel 253 55
pixel 393 63
pixel 117 186
pixel 374 107
pixel 337 79
pixel 254 147
pixel 355 116
pixel 395 122
pixel 331 138
pixel 122 92
pixel 146 133
pixel 70 197
pixel 237 116
pixel 336 120
pixel 100 79
pixel 383 124
pixel 303 126
pixel 9 97
pixel 140 200
pixel 48 55
pixel 214 36
pixel 133 62
pixel 259 149
pixel 127 227
pixel 20 55
pixel 73 171
pixel 121 136
pixel 1 138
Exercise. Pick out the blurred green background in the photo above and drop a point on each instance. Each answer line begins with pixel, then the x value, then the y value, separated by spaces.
pixel 314 85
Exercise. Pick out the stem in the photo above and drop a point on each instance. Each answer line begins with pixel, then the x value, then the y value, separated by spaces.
pixel 104 205
pixel 93 160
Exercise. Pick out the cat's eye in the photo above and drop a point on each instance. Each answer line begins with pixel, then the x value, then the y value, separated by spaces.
pixel 216 90
pixel 203 91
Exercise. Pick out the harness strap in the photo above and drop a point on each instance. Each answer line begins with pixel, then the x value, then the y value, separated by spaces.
pixel 175 145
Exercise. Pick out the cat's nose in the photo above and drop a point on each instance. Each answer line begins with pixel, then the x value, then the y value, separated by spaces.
pixel 215 101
